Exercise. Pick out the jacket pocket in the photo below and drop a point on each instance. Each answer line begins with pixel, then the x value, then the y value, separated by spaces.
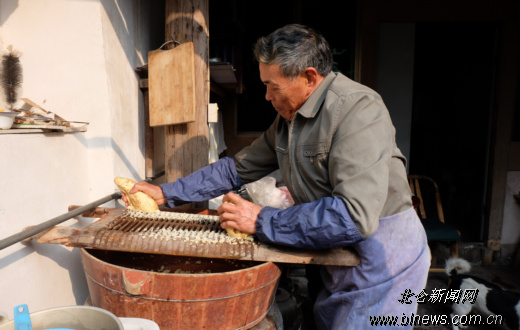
pixel 313 158
pixel 315 153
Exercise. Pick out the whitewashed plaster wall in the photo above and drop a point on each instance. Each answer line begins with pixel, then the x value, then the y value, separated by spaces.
pixel 78 60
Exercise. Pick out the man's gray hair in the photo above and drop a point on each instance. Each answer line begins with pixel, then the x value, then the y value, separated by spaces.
pixel 295 47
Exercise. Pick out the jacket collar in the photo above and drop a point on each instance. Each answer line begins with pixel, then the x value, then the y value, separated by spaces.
pixel 310 108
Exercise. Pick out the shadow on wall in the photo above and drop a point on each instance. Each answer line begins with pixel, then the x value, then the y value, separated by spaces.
pixel 102 143
pixel 6 9
pixel 150 18
pixel 63 257
pixel 71 261
pixel 15 256
pixel 186 151
pixel 147 34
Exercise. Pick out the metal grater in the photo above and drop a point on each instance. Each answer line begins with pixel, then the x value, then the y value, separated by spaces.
pixel 195 228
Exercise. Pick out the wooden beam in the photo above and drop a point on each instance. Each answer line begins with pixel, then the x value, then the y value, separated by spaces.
pixel 187 145
pixel 148 132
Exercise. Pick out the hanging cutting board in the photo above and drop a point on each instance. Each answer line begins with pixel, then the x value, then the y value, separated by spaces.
pixel 171 85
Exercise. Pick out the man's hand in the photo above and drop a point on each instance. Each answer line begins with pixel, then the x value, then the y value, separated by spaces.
pixel 236 212
pixel 150 189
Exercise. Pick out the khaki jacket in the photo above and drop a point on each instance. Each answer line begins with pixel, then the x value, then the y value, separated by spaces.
pixel 341 143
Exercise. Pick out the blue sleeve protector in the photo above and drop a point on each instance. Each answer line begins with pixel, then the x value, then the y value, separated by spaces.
pixel 210 181
pixel 325 223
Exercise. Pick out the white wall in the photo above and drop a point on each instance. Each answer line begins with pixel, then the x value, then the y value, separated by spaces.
pixel 78 60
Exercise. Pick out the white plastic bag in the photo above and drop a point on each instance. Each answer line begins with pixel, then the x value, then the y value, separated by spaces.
pixel 265 193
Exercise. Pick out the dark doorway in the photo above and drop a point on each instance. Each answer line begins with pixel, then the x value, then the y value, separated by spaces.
pixel 236 25
pixel 452 103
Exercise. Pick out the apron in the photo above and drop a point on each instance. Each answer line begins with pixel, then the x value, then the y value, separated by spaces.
pixel 393 270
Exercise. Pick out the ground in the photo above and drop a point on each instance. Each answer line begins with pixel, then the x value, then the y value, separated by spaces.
pixel 505 276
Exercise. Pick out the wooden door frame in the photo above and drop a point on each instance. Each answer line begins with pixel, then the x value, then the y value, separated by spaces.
pixel 503 12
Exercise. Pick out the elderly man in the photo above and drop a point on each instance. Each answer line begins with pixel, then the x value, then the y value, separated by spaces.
pixel 334 144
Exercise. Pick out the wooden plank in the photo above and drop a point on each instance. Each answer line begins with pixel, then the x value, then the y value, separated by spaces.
pixel 223 74
pixel 335 257
pixel 57 235
pixel 24 129
pixel 51 127
pixel 149 145
pixel 98 236
pixel 128 242
pixel 98 212
pixel 69 235
pixel 171 85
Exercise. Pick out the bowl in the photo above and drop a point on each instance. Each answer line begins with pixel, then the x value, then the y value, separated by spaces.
pixel 71 317
pixel 7 119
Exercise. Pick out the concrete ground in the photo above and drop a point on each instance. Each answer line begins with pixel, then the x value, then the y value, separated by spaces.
pixel 505 276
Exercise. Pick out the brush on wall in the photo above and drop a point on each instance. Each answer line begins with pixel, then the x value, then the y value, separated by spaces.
pixel 11 77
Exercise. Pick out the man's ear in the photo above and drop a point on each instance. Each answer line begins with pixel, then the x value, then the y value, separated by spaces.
pixel 313 78
pixel 311 75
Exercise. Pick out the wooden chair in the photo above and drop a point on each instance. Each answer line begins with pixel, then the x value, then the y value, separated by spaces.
pixel 426 197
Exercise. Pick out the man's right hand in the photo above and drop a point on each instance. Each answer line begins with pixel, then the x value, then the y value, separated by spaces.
pixel 151 190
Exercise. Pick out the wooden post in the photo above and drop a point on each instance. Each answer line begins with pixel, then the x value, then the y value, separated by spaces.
pixel 148 132
pixel 187 145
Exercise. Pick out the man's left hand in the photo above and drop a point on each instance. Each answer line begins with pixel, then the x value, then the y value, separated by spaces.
pixel 236 212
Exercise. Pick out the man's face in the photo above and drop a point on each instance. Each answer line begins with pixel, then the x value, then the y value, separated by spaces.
pixel 286 95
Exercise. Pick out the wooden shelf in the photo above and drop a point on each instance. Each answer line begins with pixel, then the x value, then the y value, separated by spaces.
pixel 223 74
pixel 25 129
